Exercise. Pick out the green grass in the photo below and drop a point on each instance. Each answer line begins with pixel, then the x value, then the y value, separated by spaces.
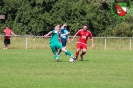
pixel 37 69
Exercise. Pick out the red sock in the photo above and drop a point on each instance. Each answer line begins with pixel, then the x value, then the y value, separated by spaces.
pixel 76 54
pixel 83 53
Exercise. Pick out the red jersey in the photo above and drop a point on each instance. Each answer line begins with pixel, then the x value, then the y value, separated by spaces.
pixel 7 32
pixel 83 36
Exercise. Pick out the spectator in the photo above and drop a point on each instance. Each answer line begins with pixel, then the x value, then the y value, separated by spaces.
pixel 7 37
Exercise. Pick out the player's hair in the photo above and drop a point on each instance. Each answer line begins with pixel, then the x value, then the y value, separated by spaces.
pixel 56 27
pixel 85 25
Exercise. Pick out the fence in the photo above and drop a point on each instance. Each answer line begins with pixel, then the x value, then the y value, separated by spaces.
pixel 38 42
pixel 117 42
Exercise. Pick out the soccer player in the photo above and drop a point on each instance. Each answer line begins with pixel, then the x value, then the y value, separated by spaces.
pixel 82 41
pixel 55 44
pixel 7 37
pixel 64 36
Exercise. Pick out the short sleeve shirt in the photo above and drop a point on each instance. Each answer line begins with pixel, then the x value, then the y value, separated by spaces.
pixel 54 37
pixel 64 31
pixel 83 36
pixel 7 32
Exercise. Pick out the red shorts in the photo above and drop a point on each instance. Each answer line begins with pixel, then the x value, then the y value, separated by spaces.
pixel 81 46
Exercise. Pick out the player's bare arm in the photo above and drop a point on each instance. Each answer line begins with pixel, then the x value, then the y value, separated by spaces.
pixel 69 39
pixel 74 37
pixel 65 34
pixel 46 35
pixel 92 43
pixel 13 34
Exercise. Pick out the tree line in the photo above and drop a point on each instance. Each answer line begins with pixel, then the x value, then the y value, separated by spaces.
pixel 37 17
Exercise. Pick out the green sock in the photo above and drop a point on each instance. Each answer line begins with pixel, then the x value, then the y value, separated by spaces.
pixel 56 56
pixel 69 53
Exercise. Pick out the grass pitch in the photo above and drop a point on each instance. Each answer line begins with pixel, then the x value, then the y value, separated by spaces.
pixel 38 69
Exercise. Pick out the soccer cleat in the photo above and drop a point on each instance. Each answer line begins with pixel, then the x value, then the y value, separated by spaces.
pixel 56 57
pixel 57 60
pixel 75 60
pixel 81 57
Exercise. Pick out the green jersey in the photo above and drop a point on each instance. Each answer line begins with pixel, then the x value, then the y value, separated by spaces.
pixel 54 38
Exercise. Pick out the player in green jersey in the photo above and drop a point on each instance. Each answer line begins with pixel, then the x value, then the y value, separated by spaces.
pixel 55 44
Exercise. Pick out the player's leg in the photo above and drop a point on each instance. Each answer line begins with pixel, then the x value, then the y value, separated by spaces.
pixel 64 44
pixel 78 46
pixel 84 49
pixel 82 54
pixel 6 42
pixel 5 46
pixel 54 50
pixel 59 45
pixel 59 51
pixel 67 52
pixel 63 41
pixel 77 53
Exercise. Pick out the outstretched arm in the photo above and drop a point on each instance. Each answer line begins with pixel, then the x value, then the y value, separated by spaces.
pixel 62 26
pixel 13 33
pixel 46 35
pixel 74 37
pixel 68 39
pixel 65 34
pixel 92 43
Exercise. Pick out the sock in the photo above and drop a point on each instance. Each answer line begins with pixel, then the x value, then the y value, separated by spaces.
pixel 69 53
pixel 56 56
pixel 65 53
pixel 83 53
pixel 59 52
pixel 77 54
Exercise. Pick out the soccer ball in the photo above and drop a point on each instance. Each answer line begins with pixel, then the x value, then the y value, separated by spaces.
pixel 71 60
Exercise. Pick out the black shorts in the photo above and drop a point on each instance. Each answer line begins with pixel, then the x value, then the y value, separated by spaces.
pixel 7 41
pixel 64 41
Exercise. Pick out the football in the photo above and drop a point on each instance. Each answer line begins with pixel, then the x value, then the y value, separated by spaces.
pixel 71 60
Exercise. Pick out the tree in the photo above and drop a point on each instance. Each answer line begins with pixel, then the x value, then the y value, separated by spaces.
pixel 36 17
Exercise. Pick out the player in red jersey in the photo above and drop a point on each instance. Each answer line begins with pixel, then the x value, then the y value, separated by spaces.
pixel 82 41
